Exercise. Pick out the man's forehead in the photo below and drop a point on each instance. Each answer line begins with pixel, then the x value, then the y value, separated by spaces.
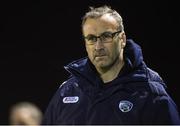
pixel 108 17
pixel 106 22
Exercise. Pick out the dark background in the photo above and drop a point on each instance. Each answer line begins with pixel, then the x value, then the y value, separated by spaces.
pixel 39 37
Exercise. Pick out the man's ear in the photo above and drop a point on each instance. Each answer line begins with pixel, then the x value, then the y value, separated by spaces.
pixel 123 39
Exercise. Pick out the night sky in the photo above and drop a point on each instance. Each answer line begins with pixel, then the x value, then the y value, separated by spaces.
pixel 39 37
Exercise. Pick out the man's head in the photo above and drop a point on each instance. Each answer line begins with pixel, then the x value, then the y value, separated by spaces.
pixel 104 36
pixel 25 113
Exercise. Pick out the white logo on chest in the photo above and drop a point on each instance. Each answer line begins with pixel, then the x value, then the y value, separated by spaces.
pixel 125 106
pixel 71 99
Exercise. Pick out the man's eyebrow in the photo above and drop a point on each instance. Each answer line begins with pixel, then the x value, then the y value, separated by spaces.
pixel 99 34
pixel 90 35
pixel 107 32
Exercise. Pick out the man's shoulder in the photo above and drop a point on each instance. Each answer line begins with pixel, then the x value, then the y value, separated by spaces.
pixel 151 83
pixel 69 82
pixel 68 86
pixel 157 88
pixel 156 83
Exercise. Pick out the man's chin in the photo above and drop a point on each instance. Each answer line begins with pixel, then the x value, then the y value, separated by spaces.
pixel 101 64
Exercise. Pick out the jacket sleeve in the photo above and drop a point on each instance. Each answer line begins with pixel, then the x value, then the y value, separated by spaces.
pixel 52 109
pixel 161 110
pixel 166 111
pixel 160 106
pixel 53 115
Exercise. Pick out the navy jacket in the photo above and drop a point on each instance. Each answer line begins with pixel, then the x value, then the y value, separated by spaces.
pixel 136 96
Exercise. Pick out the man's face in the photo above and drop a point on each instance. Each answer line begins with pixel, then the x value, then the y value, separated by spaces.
pixel 103 54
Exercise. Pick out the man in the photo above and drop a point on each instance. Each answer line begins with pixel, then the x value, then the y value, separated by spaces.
pixel 113 85
pixel 25 113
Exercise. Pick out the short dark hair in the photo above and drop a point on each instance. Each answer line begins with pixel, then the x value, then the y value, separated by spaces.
pixel 100 11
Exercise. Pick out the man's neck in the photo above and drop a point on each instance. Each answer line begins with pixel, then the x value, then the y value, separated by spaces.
pixel 112 72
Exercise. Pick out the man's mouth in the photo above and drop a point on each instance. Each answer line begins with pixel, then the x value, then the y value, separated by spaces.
pixel 101 55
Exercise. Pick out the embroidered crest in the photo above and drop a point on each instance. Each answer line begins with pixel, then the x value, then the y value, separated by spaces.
pixel 125 106
pixel 71 99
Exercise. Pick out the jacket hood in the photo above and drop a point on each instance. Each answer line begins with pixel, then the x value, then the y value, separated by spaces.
pixel 133 54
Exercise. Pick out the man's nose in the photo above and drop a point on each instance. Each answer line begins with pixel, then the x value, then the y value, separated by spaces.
pixel 99 44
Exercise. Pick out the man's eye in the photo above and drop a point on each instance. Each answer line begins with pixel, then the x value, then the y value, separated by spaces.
pixel 91 38
pixel 107 35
